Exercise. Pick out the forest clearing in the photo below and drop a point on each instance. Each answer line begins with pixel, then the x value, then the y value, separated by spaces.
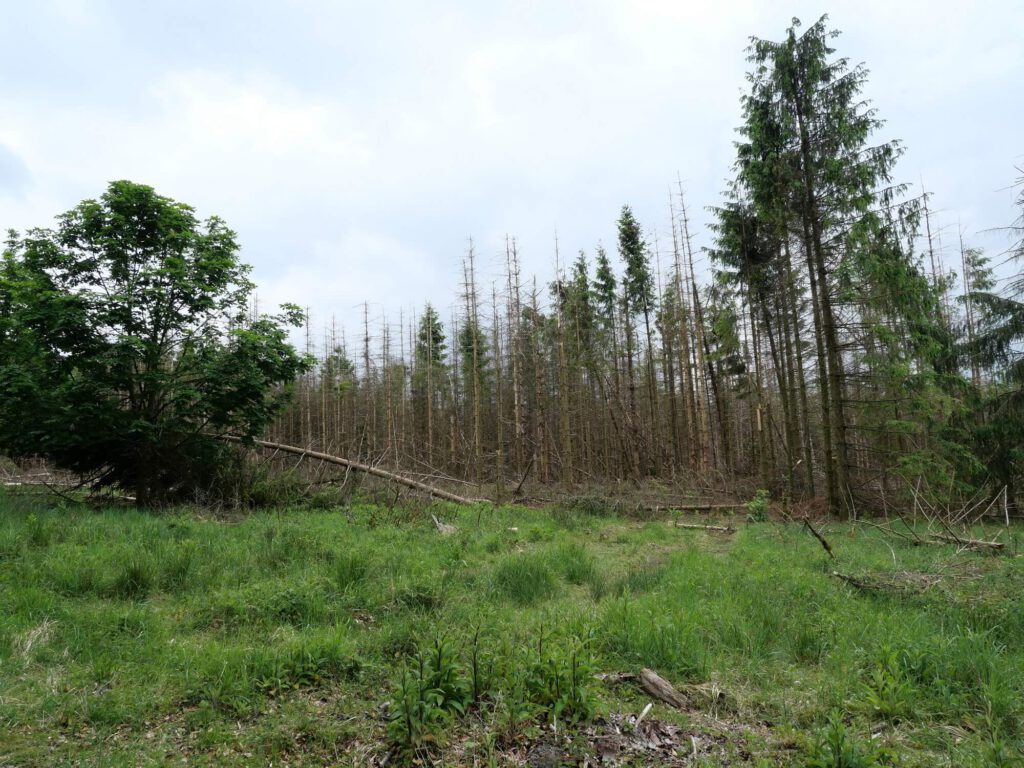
pixel 740 485
pixel 299 637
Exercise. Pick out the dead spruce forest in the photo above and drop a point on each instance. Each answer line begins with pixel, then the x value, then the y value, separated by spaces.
pixel 746 505
pixel 846 343
pixel 838 342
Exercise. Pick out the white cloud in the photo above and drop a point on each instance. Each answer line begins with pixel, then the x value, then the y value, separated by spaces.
pixel 344 273
pixel 355 149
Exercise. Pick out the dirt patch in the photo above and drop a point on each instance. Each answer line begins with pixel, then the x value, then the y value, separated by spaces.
pixel 620 740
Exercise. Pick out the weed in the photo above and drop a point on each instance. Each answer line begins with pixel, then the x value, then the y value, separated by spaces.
pixel 178 566
pixel 419 596
pixel 835 747
pixel 39 532
pixel 301 665
pixel 652 639
pixel 350 570
pixel 757 508
pixel 887 693
pixel 237 680
pixel 557 678
pixel 496 543
pixel 431 690
pixel 292 606
pixel 597 585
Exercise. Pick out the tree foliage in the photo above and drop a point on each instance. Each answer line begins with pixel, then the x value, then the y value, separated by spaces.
pixel 126 345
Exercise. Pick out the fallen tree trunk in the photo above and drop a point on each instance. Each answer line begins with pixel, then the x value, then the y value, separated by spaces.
pixel 355 465
pixel 715 528
pixel 695 507
pixel 968 543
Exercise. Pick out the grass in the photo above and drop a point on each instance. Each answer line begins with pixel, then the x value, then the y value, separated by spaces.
pixel 130 638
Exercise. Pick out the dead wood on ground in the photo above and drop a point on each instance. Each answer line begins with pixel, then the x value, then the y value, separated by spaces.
pixel 366 468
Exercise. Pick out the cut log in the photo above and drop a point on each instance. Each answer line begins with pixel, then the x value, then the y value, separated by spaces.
pixel 661 689
pixel 356 466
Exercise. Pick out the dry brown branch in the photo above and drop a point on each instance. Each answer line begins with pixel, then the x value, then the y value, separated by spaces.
pixel 908 582
pixel 519 488
pixel 851 580
pixel 819 537
pixel 889 530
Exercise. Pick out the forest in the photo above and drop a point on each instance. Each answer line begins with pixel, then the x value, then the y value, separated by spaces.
pixel 755 504
pixel 837 349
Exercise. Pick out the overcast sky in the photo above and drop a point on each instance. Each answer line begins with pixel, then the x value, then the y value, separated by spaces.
pixel 356 146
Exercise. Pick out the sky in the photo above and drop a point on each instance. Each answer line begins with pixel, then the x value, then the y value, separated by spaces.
pixel 357 147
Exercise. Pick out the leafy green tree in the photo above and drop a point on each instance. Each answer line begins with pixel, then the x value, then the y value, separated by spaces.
pixel 127 347
pixel 338 372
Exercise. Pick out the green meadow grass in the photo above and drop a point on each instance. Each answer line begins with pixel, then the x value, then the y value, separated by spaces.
pixel 135 638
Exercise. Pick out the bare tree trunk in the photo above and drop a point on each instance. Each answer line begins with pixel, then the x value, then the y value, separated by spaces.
pixel 700 388
pixel 540 437
pixel 564 406
pixel 499 426
pixel 834 363
pixel 801 378
pixel 516 354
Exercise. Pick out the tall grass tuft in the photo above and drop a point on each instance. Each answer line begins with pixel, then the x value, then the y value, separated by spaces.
pixel 524 579
pixel 135 578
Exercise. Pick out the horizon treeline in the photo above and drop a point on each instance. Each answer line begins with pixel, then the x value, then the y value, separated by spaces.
pixel 829 354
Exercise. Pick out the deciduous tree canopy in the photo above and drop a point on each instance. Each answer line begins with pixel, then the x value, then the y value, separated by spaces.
pixel 127 344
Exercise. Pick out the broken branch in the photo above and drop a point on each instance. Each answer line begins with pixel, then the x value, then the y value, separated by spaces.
pixel 967 543
pixel 820 538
